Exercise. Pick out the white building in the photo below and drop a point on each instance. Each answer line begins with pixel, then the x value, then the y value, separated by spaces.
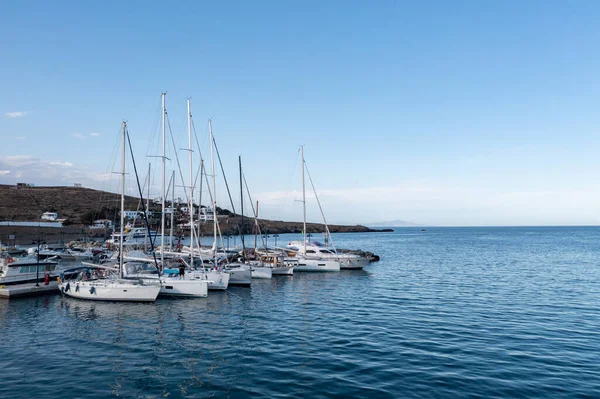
pixel 186 209
pixel 52 216
pixel 206 214
pixel 132 214
pixel 102 224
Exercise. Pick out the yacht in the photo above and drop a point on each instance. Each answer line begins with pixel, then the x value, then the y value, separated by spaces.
pixel 319 251
pixel 101 283
pixel 25 270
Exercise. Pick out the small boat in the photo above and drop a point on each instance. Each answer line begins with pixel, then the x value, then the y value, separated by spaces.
pixel 25 270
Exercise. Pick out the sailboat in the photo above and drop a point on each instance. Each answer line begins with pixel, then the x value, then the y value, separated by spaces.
pixel 101 283
pixel 306 264
pixel 239 273
pixel 217 279
pixel 171 285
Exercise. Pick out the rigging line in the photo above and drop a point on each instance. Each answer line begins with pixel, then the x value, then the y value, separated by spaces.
pixel 238 228
pixel 177 158
pixel 141 196
pixel 320 208
pixel 216 220
pixel 256 223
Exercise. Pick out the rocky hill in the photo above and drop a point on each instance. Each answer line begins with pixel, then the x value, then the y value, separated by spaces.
pixel 80 206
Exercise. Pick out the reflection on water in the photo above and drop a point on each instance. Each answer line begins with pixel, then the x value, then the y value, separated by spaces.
pixel 446 313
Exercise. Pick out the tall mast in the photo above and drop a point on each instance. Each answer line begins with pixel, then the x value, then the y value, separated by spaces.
pixel 303 199
pixel 191 207
pixel 146 236
pixel 122 203
pixel 214 192
pixel 172 212
pixel 162 209
pixel 242 208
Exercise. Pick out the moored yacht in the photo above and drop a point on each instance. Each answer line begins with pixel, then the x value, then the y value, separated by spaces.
pixel 318 251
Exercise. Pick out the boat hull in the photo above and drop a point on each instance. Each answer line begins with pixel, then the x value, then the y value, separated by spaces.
pixel 217 281
pixel 309 265
pixel 192 288
pixel 261 272
pixel 107 290
pixel 283 271
pixel 358 263
pixel 240 276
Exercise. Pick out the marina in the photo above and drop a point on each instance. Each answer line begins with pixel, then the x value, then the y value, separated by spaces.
pixel 490 317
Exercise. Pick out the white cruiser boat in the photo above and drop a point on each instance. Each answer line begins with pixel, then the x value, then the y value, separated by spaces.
pixel 25 270
pixel 318 251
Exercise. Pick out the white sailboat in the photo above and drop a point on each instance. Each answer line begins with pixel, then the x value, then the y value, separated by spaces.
pixel 100 284
pixel 217 279
pixel 171 285
pixel 305 264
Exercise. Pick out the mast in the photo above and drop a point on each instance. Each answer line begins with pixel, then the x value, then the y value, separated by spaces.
pixel 303 200
pixel 214 192
pixel 191 207
pixel 172 212
pixel 255 227
pixel 162 209
pixel 146 235
pixel 122 203
pixel 242 208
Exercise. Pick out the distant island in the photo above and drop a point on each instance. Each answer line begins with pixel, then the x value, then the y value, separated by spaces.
pixel 79 207
pixel 394 223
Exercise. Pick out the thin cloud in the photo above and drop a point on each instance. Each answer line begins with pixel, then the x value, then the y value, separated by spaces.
pixel 4 172
pixel 16 114
pixel 78 135
pixel 67 164
pixel 21 138
pixel 94 134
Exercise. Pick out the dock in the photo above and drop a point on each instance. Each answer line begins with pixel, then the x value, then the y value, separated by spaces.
pixel 29 289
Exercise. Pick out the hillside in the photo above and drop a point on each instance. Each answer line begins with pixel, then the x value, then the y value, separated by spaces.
pixel 80 206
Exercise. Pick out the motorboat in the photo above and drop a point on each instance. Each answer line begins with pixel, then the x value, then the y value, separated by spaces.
pixel 319 251
pixel 25 270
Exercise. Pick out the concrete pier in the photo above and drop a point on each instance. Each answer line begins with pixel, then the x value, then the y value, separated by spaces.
pixel 29 289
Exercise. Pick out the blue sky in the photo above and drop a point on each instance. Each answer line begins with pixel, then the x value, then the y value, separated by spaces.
pixel 447 113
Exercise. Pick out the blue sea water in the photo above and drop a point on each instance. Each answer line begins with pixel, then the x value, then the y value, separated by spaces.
pixel 449 312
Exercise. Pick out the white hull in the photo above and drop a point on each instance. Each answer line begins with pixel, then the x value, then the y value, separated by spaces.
pixel 216 281
pixel 110 290
pixel 261 272
pixel 356 263
pixel 193 288
pixel 310 265
pixel 283 271
pixel 239 276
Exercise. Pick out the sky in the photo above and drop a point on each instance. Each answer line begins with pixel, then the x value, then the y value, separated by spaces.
pixel 462 113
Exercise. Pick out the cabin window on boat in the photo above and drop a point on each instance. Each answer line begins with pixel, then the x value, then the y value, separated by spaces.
pixel 310 251
pixel 24 269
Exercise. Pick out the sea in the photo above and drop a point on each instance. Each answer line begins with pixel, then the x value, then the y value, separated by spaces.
pixel 495 312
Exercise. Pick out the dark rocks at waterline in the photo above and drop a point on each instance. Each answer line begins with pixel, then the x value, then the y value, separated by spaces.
pixel 370 255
